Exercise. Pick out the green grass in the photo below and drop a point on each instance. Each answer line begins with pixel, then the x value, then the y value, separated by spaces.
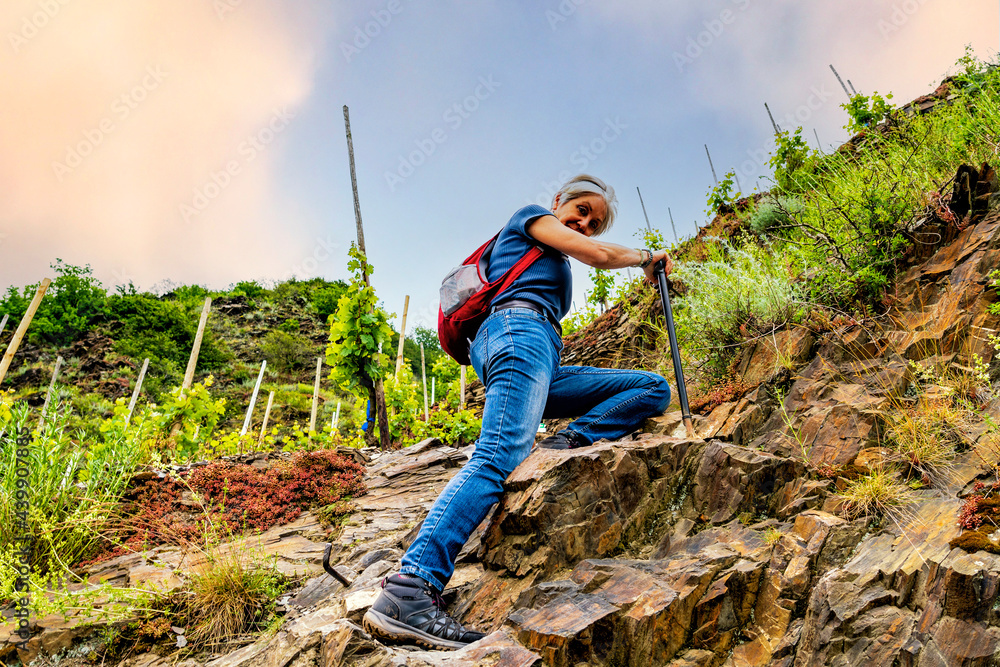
pixel 71 490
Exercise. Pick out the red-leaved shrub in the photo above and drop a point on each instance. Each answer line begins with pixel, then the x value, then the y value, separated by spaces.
pixel 234 496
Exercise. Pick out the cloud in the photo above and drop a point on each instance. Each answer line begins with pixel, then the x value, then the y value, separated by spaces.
pixel 777 50
pixel 118 114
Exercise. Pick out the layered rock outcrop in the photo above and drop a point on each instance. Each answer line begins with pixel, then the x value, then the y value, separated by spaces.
pixel 730 549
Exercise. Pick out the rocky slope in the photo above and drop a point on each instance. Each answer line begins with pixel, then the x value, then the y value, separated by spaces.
pixel 730 549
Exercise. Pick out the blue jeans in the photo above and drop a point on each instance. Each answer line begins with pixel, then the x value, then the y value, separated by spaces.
pixel 516 355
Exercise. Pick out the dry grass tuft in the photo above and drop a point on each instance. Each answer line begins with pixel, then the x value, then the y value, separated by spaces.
pixel 927 435
pixel 232 598
pixel 879 493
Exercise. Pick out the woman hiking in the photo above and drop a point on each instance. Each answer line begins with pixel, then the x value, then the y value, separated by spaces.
pixel 516 354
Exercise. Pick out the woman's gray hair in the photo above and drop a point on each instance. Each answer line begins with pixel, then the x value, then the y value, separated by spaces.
pixel 582 185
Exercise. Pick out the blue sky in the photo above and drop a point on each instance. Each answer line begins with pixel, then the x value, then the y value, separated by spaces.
pixel 231 163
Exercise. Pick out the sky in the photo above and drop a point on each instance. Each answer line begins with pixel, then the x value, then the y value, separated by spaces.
pixel 202 141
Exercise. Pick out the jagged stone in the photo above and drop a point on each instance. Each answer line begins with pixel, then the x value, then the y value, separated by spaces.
pixel 732 480
pixel 642 612
pixel 865 609
pixel 564 506
pixel 787 349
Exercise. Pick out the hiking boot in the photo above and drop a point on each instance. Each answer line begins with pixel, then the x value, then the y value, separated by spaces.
pixel 411 611
pixel 563 440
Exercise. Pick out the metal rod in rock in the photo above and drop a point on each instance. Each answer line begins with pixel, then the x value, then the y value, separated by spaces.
pixel 267 415
pixel 737 177
pixel 819 144
pixel 672 225
pixel 423 372
pixel 345 582
pixel 837 74
pixel 3 323
pixel 852 87
pixel 135 392
pixel 315 402
pixel 711 165
pixel 402 335
pixel 22 328
pixel 777 130
pixel 675 354
pixel 48 394
pixel 253 399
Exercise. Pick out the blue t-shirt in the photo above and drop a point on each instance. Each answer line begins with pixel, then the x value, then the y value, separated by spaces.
pixel 548 283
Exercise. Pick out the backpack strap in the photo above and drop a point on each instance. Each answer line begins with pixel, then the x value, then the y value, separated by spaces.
pixel 514 272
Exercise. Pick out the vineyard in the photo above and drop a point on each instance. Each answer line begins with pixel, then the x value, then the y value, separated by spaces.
pixel 166 454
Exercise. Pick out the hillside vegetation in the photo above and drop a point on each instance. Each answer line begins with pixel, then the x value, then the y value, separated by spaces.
pixel 830 253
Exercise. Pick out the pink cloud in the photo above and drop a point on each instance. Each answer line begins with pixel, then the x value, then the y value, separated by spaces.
pixel 117 113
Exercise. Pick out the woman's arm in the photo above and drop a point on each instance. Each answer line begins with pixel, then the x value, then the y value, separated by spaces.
pixel 598 254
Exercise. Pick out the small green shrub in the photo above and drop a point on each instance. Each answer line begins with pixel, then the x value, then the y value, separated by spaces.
pixel 792 161
pixel 746 287
pixel 775 214
pixel 74 303
pixel 286 351
pixel 249 289
pixel 604 284
pixel 865 111
pixel 722 195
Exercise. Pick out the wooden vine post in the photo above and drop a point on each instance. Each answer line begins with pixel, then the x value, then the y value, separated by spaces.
pixel 711 165
pixel 423 374
pixel 315 402
pixel 253 402
pixel 22 329
pixel 267 415
pixel 378 388
pixel 402 335
pixel 48 394
pixel 196 348
pixel 135 392
pixel 193 360
pixel 462 382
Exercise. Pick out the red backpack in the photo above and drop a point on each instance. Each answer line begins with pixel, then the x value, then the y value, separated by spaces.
pixel 466 298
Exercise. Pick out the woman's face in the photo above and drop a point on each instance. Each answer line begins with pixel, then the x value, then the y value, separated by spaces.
pixel 584 214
